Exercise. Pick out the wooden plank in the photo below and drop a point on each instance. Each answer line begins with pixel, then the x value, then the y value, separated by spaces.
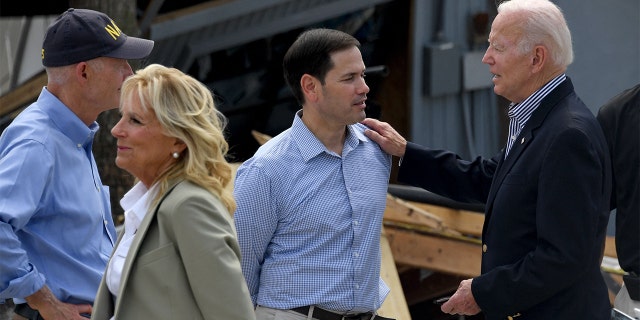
pixel 442 219
pixel 610 247
pixel 23 95
pixel 428 251
pixel 399 210
pixel 395 305
pixel 464 221
pixel 260 137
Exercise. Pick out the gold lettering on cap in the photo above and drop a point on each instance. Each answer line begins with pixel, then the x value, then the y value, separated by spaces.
pixel 113 30
pixel 42 54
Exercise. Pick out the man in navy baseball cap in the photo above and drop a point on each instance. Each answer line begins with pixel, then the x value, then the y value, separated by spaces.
pixel 56 228
pixel 81 34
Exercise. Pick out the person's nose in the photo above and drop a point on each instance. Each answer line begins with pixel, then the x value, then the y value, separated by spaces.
pixel 486 59
pixel 116 131
pixel 364 88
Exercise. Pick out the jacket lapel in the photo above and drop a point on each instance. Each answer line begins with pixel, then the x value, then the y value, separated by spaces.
pixel 136 243
pixel 525 138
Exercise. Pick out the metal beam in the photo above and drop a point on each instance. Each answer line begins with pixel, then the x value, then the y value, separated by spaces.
pixel 212 12
pixel 230 24
pixel 149 14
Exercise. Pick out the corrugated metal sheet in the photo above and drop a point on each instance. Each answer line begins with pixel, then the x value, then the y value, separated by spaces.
pixel 467 122
pixel 180 40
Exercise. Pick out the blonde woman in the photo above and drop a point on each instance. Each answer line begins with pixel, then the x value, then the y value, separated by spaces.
pixel 178 256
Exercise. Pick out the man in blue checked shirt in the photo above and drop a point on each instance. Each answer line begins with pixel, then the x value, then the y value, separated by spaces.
pixel 311 200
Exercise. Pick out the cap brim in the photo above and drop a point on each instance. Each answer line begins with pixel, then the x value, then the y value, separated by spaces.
pixel 133 48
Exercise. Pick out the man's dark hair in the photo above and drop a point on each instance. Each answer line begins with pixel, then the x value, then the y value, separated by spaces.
pixel 311 54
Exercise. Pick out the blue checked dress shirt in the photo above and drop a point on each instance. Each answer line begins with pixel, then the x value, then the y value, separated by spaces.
pixel 309 221
pixel 55 215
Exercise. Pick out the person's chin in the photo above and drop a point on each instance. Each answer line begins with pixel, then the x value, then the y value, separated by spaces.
pixel 121 163
pixel 498 80
pixel 497 89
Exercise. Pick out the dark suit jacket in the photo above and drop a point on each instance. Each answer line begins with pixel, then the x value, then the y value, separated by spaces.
pixel 620 119
pixel 546 212
pixel 184 263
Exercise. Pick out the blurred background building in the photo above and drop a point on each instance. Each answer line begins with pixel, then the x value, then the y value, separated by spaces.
pixel 423 59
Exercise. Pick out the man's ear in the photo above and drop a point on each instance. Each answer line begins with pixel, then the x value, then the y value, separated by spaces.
pixel 310 87
pixel 81 70
pixel 540 57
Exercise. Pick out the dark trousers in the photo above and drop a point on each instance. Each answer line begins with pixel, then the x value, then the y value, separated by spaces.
pixel 24 312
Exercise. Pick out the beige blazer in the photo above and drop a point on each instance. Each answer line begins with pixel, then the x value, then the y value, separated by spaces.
pixel 184 263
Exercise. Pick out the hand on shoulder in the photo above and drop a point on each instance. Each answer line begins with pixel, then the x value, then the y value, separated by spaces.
pixel 388 138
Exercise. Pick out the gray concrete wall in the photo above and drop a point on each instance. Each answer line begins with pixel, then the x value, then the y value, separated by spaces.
pixel 606 44
pixel 606 38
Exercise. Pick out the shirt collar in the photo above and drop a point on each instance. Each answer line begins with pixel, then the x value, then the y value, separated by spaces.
pixel 67 122
pixel 310 146
pixel 522 111
pixel 136 203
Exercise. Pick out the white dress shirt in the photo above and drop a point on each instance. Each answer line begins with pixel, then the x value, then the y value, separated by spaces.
pixel 135 204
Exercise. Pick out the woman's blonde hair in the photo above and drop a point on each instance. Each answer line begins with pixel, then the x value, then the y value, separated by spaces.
pixel 186 110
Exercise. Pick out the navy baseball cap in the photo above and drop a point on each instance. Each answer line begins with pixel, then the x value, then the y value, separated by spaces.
pixel 81 34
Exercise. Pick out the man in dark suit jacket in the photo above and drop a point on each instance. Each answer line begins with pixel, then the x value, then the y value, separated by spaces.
pixel 546 194
pixel 620 120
